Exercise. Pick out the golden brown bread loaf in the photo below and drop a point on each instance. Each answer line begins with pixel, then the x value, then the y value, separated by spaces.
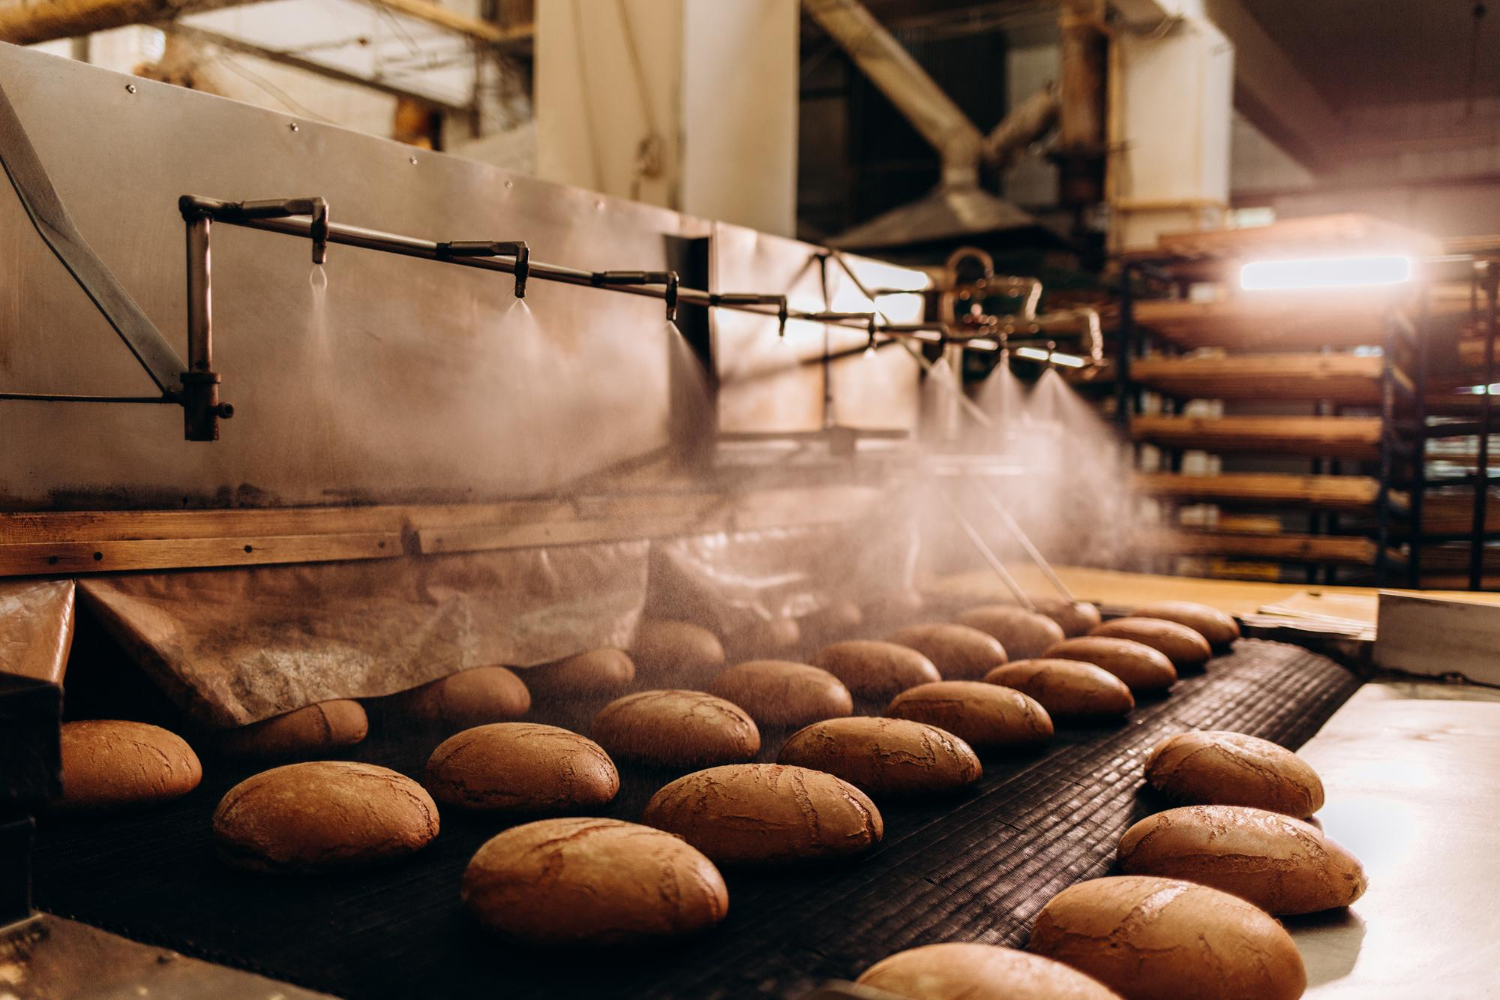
pixel 894 609
pixel 766 814
pixel 1067 688
pixel 1222 768
pixel 1162 939
pixel 1024 634
pixel 672 650
pixel 1281 864
pixel 599 671
pixel 875 670
pixel 985 716
pixel 886 758
pixel 1214 625
pixel 592 882
pixel 1142 668
pixel 1178 643
pixel 677 729
pixel 468 698
pixel 116 764
pixel 962 971
pixel 1073 617
pixel 834 621
pixel 322 815
pixel 766 637
pixel 312 731
pixel 521 768
pixel 959 652
pixel 781 693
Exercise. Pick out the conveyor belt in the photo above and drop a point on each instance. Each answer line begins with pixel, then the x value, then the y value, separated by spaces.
pixel 977 868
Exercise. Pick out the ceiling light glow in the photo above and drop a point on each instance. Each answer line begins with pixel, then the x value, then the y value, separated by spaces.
pixel 1325 272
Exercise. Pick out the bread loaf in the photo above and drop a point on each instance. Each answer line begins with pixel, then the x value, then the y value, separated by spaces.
pixel 1282 865
pixel 886 758
pixel 766 814
pixel 115 764
pixel 768 637
pixel 468 698
pixel 597 672
pixel 1024 634
pixel 521 768
pixel 875 670
pixel 986 716
pixel 1214 625
pixel 1207 768
pixel 592 882
pixel 961 971
pixel 1163 939
pixel 780 693
pixel 834 621
pixel 1073 617
pixel 676 729
pixel 894 609
pixel 322 815
pixel 312 731
pixel 1067 688
pixel 1178 643
pixel 666 650
pixel 1142 668
pixel 959 652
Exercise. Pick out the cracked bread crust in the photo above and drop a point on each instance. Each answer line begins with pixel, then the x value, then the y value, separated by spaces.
pixel 1067 688
pixel 593 882
pixel 1024 634
pixel 307 732
pixel 959 652
pixel 1281 864
pixel 323 815
pixel 1215 767
pixel 675 728
pixel 963 971
pixel 1142 668
pixel 766 814
pixel 782 693
pixel 886 758
pixel 521 768
pixel 986 716
pixel 116 764
pixel 875 670
pixel 1163 939
pixel 1185 648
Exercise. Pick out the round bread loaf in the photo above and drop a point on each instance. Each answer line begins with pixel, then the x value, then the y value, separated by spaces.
pixel 766 637
pixel 599 671
pixel 985 716
pixel 676 729
pixel 961 971
pixel 781 693
pixel 322 815
pixel 595 882
pixel 1142 668
pixel 894 609
pixel 766 814
pixel 1281 864
pixel 1073 617
pixel 875 670
pixel 833 621
pixel 1178 643
pixel 887 758
pixel 521 768
pixel 1214 625
pixel 1162 939
pixel 666 649
pixel 1222 768
pixel 959 652
pixel 116 764
pixel 311 731
pixel 1067 688
pixel 1024 634
pixel 468 698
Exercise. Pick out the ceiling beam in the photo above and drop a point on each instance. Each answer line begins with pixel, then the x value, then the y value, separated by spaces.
pixel 27 22
pixel 480 30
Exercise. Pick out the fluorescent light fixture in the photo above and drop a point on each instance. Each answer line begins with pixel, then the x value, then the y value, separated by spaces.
pixel 1325 272
pixel 1037 354
pixel 982 344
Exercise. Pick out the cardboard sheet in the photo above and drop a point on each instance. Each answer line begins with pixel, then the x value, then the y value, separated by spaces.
pixel 235 646
pixel 36 628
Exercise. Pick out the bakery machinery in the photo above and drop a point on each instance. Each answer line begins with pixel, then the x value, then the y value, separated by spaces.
pixel 435 417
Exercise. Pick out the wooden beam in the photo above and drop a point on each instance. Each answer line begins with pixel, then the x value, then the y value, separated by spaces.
pixel 484 31
pixel 1342 378
pixel 1341 549
pixel 1331 437
pixel 62 558
pixel 27 22
pixel 1344 494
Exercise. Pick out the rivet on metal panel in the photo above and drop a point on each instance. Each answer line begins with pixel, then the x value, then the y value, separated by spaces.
pixel 599 205
pixel 130 88
pixel 509 185
pixel 412 160
pixel 292 126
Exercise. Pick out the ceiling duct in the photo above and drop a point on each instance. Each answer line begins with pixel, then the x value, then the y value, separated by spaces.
pixel 958 208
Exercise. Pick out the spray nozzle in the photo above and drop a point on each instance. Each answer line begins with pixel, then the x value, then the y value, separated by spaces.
pixel 754 299
pixel 607 279
pixel 485 248
pixel 276 208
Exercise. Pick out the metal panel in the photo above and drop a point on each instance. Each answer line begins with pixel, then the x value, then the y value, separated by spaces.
pixel 399 381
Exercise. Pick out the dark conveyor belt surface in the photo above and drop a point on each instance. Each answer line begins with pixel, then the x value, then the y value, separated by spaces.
pixel 976 868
